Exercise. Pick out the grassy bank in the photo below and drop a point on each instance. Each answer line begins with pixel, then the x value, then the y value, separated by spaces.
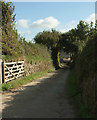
pixel 82 110
pixel 19 82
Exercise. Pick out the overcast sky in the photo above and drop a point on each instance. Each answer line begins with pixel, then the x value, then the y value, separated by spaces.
pixel 34 17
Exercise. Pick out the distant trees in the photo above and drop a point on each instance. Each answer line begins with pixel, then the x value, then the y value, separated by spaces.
pixel 50 39
pixel 75 40
pixel 72 42
pixel 67 44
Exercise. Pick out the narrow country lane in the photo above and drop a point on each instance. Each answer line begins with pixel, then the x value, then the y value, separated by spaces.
pixel 47 97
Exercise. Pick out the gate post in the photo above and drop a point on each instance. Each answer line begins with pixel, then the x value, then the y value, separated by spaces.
pixel 0 71
pixel 3 72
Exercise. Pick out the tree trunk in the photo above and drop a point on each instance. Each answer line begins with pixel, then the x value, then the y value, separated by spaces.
pixel 55 57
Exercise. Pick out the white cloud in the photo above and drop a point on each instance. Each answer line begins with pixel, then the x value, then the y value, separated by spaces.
pixel 25 32
pixel 64 30
pixel 73 23
pixel 91 18
pixel 22 23
pixel 69 26
pixel 96 16
pixel 49 22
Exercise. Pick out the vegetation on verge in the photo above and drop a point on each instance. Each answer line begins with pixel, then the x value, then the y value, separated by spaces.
pixel 81 44
pixel 25 80
pixel 15 47
pixel 76 94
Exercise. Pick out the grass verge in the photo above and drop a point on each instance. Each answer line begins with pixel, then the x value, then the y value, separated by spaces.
pixel 19 82
pixel 82 110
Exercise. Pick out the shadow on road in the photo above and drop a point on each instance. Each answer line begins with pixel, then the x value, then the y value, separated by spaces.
pixel 47 97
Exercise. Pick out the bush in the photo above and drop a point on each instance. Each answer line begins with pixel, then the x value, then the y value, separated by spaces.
pixel 85 72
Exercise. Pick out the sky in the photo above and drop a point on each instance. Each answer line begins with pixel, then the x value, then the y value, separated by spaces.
pixel 34 17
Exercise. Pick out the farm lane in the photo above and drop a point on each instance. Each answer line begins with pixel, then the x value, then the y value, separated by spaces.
pixel 47 97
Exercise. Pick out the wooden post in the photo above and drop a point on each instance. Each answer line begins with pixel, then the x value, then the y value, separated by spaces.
pixel 3 72
pixel 0 71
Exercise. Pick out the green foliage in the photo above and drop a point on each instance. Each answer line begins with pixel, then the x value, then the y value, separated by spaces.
pixel 86 71
pixel 66 43
pixel 82 30
pixel 10 43
pixel 82 110
pixel 35 52
pixel 15 47
pixel 81 43
pixel 48 38
pixel 75 40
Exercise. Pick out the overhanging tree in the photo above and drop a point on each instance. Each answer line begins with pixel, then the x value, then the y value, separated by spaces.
pixel 50 39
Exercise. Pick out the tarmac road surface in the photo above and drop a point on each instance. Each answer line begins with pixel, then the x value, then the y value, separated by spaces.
pixel 46 97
